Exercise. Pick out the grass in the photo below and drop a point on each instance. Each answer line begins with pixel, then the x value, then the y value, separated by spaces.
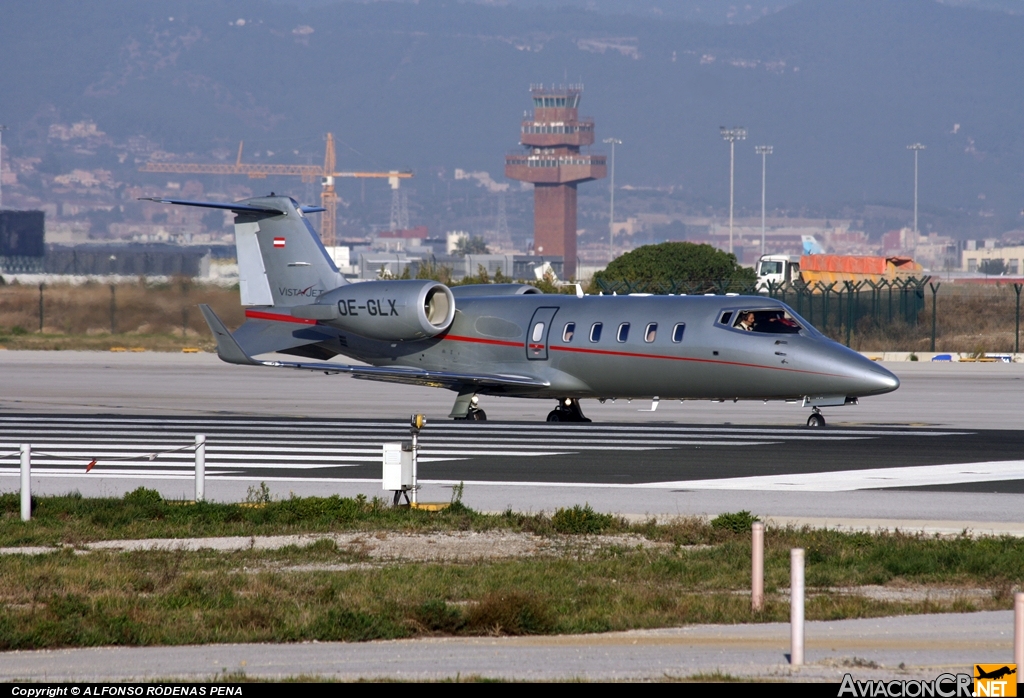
pixel 158 317
pixel 699 574
pixel 74 520
pixel 172 598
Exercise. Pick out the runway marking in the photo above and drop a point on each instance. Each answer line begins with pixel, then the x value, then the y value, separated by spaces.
pixel 318 426
pixel 841 481
pixel 874 478
pixel 249 448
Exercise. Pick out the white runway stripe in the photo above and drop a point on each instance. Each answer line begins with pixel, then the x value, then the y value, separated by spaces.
pixel 873 478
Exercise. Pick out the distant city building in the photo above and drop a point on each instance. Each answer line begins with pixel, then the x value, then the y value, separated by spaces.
pixel 993 260
pixel 22 247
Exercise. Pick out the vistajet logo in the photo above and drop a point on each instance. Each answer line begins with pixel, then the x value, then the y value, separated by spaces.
pixel 308 292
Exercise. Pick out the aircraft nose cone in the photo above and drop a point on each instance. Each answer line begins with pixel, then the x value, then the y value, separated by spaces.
pixel 880 380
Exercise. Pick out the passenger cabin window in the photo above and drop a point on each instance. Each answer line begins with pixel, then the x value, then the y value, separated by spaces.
pixel 569 331
pixel 651 332
pixel 775 321
pixel 677 332
pixel 595 332
pixel 623 333
pixel 538 332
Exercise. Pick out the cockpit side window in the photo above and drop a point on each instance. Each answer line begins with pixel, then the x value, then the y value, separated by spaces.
pixel 774 321
pixel 726 316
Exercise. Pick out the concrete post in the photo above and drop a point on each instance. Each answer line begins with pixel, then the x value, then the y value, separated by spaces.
pixel 757 567
pixel 415 465
pixel 1018 631
pixel 200 467
pixel 26 482
pixel 796 607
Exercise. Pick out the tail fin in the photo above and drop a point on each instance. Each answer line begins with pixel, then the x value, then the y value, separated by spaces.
pixel 281 261
pixel 811 245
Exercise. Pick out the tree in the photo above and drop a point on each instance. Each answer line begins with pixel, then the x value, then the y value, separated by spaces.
pixel 696 268
pixel 993 267
pixel 473 245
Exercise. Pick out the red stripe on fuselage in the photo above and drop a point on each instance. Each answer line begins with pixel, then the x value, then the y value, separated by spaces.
pixel 607 352
pixel 260 315
pixel 481 340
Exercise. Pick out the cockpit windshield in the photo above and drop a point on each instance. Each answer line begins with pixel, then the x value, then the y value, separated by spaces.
pixel 774 321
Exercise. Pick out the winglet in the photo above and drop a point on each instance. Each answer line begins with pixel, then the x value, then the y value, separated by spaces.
pixel 228 349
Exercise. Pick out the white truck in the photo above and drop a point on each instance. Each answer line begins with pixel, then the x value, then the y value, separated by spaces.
pixel 777 269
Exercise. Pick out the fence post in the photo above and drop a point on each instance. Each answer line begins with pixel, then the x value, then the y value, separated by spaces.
pixel 26 482
pixel 1018 631
pixel 796 607
pixel 757 567
pixel 113 310
pixel 41 286
pixel 1016 341
pixel 200 467
pixel 935 299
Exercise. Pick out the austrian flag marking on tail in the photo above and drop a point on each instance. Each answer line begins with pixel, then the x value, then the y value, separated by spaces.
pixel 278 242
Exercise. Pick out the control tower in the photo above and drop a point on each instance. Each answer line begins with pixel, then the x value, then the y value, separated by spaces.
pixel 555 165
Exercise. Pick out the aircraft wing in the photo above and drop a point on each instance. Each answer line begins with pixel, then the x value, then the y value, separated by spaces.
pixel 231 351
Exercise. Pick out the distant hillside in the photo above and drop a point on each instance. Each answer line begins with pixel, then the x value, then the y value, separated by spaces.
pixel 839 87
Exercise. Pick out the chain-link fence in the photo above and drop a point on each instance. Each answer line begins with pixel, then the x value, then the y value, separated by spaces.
pixel 907 314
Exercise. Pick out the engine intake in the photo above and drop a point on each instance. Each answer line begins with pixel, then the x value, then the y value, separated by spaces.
pixel 394 310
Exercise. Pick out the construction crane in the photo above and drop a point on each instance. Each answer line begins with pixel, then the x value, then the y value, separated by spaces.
pixel 309 173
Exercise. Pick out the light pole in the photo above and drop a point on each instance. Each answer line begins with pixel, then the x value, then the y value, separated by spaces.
pixel 917 148
pixel 611 214
pixel 764 151
pixel 732 135
pixel 2 129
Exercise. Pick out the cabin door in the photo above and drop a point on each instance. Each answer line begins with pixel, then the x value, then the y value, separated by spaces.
pixel 538 332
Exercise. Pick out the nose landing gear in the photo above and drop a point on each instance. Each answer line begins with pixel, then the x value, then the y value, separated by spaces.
pixel 568 410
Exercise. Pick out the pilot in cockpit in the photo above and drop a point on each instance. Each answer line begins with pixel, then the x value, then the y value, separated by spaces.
pixel 746 322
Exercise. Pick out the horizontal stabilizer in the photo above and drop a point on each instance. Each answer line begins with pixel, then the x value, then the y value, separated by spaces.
pixel 236 207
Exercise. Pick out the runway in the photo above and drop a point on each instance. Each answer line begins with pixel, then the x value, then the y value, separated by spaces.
pixel 943 451
pixel 586 454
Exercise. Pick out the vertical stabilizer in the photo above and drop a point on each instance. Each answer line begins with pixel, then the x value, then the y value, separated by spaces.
pixel 281 261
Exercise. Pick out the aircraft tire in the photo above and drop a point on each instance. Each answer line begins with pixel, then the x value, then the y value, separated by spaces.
pixel 555 416
pixel 816 421
pixel 477 416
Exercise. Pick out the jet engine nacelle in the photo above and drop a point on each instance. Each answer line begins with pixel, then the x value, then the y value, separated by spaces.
pixel 394 310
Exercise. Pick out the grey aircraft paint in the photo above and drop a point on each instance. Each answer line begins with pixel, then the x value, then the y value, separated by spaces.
pixel 509 340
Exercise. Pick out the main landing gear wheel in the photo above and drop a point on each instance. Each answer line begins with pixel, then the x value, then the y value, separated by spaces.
pixel 568 410
pixel 816 420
